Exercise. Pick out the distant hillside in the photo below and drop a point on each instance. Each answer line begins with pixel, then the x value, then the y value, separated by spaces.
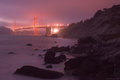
pixel 5 31
pixel 104 22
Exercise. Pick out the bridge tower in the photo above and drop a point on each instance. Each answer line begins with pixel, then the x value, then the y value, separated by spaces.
pixel 14 27
pixel 35 29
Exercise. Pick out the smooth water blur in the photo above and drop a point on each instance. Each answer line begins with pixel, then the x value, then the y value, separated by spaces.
pixel 26 55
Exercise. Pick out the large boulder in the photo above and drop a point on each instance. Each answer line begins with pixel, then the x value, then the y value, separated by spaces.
pixel 37 72
pixel 89 67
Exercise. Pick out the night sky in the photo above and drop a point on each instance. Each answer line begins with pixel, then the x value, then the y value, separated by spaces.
pixel 50 11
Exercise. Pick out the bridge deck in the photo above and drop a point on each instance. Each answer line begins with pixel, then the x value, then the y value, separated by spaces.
pixel 20 28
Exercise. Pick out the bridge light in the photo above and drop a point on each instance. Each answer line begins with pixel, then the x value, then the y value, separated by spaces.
pixel 57 25
pixel 48 25
pixel 56 30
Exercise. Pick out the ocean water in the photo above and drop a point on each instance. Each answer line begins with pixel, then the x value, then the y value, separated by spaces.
pixel 26 55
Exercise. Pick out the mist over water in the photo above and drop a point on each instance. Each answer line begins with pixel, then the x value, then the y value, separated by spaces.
pixel 24 54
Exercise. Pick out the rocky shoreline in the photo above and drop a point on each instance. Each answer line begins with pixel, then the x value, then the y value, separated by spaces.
pixel 101 60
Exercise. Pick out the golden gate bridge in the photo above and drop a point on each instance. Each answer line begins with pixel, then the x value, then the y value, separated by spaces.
pixel 50 29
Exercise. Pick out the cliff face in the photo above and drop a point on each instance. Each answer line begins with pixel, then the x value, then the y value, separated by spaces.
pixel 106 21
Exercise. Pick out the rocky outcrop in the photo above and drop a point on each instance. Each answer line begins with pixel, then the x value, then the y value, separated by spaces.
pixel 101 59
pixel 89 67
pixel 38 73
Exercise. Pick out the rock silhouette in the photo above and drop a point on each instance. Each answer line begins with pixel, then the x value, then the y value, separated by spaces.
pixel 38 73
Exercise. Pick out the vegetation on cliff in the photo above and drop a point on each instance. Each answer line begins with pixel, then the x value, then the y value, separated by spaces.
pixel 104 22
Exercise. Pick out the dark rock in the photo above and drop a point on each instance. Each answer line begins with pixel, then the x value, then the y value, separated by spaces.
pixel 11 53
pixel 44 50
pixel 55 41
pixel 89 46
pixel 32 54
pixel 87 40
pixel 36 49
pixel 29 45
pixel 49 57
pixel 116 60
pixel 49 66
pixel 73 63
pixel 37 72
pixel 61 58
pixel 107 69
pixel 40 55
